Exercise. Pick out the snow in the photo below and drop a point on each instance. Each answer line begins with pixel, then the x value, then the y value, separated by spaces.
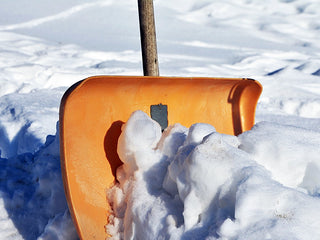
pixel 189 182
pixel 199 184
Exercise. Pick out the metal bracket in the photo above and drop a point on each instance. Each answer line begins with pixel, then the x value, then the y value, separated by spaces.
pixel 159 113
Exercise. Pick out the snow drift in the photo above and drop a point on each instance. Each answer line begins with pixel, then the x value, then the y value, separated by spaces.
pixel 272 190
pixel 199 184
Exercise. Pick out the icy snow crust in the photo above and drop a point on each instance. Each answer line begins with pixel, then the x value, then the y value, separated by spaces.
pixel 46 46
pixel 199 184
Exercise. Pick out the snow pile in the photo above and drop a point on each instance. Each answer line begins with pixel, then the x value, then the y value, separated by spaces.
pixel 291 154
pixel 31 194
pixel 46 46
pixel 199 184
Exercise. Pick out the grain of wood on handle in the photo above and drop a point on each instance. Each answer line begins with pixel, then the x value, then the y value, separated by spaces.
pixel 148 38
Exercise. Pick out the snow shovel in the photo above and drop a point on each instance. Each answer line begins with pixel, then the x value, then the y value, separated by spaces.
pixel 93 110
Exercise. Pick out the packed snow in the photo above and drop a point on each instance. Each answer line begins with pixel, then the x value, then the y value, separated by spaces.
pixel 197 183
pixel 188 182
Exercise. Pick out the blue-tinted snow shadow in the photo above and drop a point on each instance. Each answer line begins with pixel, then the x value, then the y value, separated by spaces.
pixel 22 140
pixel 32 188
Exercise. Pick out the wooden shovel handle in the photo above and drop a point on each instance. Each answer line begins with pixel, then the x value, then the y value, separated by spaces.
pixel 148 38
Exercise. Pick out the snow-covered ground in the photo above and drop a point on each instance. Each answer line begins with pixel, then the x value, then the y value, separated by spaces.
pixel 268 186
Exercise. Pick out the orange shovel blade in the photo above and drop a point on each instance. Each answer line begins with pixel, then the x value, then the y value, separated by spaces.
pixel 93 111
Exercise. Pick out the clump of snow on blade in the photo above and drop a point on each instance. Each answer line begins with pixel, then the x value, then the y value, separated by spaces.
pixel 140 136
pixel 198 184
